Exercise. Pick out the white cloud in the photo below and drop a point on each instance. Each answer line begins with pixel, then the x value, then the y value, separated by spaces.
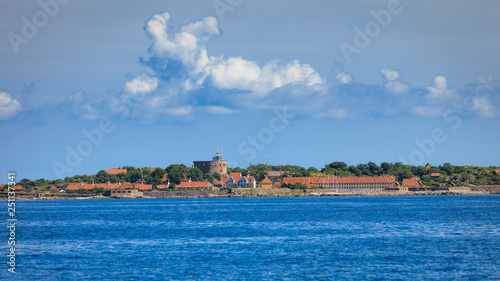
pixel 427 111
pixel 187 45
pixel 338 113
pixel 141 85
pixel 393 85
pixel 183 110
pixel 8 106
pixel 389 75
pixel 218 110
pixel 483 106
pixel 235 73
pixel 440 92
pixel 90 112
pixel 344 78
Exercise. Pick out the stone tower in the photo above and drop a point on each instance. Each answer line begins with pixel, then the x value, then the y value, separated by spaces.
pixel 217 165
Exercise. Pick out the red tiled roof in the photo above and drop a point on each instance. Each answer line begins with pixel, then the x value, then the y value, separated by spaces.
pixel 54 188
pixel 73 186
pixel 435 175
pixel 236 177
pixel 411 182
pixel 194 184
pixel 116 171
pixel 126 185
pixel 312 181
pixel 161 186
pixel 250 179
pixel 144 186
pixel 17 187
pixel 165 177
pixel 76 186
pixel 113 186
pixel 266 180
pixel 278 184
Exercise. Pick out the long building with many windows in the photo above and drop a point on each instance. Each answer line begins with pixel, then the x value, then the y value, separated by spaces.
pixel 383 182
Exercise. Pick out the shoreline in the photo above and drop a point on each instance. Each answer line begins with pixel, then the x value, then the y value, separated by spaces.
pixel 263 192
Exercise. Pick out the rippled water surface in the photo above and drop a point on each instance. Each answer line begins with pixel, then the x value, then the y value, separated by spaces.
pixel 441 237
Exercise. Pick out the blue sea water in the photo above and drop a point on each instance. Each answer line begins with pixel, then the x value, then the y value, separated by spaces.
pixel 324 238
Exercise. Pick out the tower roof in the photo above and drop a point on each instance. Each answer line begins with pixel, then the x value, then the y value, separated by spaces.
pixel 217 157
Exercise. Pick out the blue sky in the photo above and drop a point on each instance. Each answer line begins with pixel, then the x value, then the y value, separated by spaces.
pixel 91 85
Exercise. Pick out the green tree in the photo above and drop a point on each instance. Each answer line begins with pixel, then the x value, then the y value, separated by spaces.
pixel 134 176
pixel 364 169
pixel 176 173
pixel 313 170
pixel 216 175
pixel 195 174
pixel 353 169
pixel 102 177
pixel 374 169
pixel 338 165
pixel 209 177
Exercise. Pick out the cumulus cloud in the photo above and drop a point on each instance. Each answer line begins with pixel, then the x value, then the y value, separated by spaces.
pixel 8 106
pixel 184 48
pixel 439 92
pixel 483 106
pixel 344 78
pixel 393 84
pixel 141 85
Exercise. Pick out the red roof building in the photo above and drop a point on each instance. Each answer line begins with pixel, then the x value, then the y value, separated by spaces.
pixel 144 186
pixel 196 185
pixel 435 175
pixel 116 171
pixel 413 182
pixel 236 179
pixel 165 177
pixel 54 188
pixel 162 186
pixel 266 183
pixel 17 187
pixel 343 182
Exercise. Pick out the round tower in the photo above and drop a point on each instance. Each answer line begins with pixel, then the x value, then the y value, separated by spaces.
pixel 217 165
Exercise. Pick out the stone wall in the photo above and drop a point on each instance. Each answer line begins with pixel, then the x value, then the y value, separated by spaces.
pixel 211 166
pixel 186 194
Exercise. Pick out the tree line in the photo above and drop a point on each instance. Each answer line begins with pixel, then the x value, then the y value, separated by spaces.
pixel 458 175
